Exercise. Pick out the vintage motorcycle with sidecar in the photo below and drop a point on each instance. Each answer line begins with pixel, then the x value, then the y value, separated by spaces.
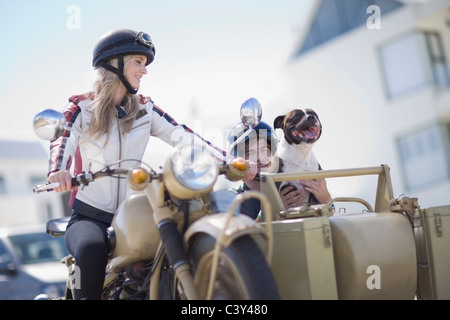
pixel 174 237
pixel 396 250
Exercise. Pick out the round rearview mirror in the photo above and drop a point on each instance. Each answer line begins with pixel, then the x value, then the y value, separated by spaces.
pixel 49 124
pixel 251 112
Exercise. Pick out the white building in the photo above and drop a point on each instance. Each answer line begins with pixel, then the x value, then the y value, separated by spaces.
pixel 377 73
pixel 23 165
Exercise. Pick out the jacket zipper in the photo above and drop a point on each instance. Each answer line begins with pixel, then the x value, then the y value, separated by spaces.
pixel 140 125
pixel 120 158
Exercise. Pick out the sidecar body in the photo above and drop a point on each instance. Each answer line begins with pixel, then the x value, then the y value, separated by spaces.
pixel 397 251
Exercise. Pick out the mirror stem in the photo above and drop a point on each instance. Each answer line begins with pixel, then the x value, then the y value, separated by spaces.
pixel 242 137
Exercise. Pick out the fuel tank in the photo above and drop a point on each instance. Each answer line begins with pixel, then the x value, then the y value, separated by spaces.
pixel 136 235
pixel 374 256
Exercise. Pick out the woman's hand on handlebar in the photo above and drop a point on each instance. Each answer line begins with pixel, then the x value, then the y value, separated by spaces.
pixel 64 178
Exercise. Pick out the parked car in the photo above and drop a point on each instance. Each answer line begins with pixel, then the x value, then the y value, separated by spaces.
pixel 30 263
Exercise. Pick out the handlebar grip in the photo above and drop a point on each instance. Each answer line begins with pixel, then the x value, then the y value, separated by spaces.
pixel 45 187
pixel 50 186
pixel 75 182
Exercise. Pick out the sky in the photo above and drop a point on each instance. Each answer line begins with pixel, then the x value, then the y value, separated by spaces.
pixel 210 55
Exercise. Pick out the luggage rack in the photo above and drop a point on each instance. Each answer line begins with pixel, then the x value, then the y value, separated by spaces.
pixel 384 192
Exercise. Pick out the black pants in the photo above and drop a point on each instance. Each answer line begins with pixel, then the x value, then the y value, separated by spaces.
pixel 86 241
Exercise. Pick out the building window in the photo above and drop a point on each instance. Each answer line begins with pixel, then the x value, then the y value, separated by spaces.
pixel 425 155
pixel 336 17
pixel 439 67
pixel 412 62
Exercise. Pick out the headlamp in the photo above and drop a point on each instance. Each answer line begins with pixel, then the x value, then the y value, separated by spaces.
pixel 190 172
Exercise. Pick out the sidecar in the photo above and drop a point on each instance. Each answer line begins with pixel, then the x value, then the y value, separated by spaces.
pixel 395 251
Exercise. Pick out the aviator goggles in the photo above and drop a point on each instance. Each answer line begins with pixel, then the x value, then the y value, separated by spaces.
pixel 144 39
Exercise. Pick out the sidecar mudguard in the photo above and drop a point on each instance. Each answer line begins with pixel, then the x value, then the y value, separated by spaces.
pixel 375 256
pixel 212 225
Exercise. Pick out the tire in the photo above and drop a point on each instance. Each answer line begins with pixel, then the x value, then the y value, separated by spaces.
pixel 243 272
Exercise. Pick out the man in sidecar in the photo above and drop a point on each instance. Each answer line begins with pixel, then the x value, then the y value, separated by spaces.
pixel 259 148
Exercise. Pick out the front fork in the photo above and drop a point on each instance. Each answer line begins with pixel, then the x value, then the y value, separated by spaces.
pixel 171 245
pixel 176 254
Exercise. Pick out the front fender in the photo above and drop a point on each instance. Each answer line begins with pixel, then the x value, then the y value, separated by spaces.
pixel 213 225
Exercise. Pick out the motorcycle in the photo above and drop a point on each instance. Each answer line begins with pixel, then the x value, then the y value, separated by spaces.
pixel 174 237
pixel 396 250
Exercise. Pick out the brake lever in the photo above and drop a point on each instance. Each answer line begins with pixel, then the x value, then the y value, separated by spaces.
pixel 81 179
pixel 50 186
pixel 47 187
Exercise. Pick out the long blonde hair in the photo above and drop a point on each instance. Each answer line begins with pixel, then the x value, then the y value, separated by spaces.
pixel 103 107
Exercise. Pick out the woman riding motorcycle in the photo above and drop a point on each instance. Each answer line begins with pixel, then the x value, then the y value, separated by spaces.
pixel 121 122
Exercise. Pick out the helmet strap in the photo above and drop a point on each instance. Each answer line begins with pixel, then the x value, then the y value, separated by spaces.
pixel 119 72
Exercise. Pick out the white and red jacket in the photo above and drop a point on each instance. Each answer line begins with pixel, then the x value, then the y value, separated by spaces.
pixel 71 149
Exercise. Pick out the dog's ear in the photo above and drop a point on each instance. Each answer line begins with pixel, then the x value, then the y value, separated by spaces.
pixel 278 122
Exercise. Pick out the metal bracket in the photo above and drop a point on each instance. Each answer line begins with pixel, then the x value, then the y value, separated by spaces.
pixel 327 235
pixel 438 225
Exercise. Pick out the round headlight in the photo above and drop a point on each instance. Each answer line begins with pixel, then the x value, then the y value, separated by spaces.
pixel 190 172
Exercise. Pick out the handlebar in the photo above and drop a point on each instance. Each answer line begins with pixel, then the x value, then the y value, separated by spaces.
pixel 233 172
pixel 81 179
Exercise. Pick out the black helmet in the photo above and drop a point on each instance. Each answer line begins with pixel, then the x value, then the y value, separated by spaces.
pixel 119 43
pixel 262 129
pixel 123 42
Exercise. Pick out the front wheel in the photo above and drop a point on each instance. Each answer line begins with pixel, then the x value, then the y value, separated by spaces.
pixel 243 272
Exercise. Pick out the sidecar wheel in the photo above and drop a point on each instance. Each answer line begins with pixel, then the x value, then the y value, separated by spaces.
pixel 243 273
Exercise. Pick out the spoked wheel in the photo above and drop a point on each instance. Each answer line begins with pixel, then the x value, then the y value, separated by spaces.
pixel 243 272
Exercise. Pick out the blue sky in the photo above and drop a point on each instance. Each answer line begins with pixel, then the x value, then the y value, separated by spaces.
pixel 211 55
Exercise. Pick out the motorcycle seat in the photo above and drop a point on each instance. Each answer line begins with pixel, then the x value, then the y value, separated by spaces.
pixel 57 227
